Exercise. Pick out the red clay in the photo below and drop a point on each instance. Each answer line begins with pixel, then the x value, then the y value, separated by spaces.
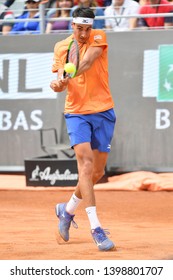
pixel 140 224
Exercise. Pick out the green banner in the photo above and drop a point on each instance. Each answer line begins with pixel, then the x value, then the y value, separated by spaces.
pixel 165 89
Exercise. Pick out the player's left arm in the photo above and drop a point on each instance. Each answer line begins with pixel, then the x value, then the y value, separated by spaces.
pixel 90 56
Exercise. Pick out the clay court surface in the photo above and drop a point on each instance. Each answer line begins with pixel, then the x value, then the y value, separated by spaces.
pixel 140 223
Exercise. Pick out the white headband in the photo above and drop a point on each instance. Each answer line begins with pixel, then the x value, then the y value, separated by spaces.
pixel 82 20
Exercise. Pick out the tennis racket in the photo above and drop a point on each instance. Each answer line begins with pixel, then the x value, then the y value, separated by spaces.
pixel 72 57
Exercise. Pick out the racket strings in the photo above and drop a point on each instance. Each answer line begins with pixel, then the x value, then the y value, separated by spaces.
pixel 72 55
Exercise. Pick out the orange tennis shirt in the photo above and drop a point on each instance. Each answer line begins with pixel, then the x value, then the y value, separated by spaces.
pixel 89 92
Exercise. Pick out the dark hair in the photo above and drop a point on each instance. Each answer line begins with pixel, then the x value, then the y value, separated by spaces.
pixel 83 12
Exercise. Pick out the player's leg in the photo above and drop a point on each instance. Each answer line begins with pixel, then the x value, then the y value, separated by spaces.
pixel 84 156
pixel 90 168
pixel 101 143
pixel 91 165
pixel 80 135
pixel 99 163
pixel 85 161
pixel 98 233
pixel 100 160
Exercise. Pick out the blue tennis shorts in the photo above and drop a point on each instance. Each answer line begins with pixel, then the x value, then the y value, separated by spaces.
pixel 97 129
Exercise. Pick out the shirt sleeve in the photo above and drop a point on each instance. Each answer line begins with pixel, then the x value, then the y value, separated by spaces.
pixel 99 39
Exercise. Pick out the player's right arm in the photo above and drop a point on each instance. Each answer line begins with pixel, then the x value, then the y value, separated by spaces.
pixel 60 52
pixel 61 83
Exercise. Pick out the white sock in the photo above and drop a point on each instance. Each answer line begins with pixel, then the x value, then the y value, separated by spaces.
pixel 92 216
pixel 73 204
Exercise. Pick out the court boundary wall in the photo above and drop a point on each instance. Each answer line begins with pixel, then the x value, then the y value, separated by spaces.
pixel 143 133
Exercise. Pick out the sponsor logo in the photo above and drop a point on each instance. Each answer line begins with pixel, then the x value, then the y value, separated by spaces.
pixel 20 121
pixel 96 37
pixel 46 175
pixel 158 81
pixel 85 20
pixel 158 73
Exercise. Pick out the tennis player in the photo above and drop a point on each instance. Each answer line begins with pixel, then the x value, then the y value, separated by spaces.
pixel 90 120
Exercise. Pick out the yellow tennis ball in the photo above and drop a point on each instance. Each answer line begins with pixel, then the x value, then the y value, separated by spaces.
pixel 69 68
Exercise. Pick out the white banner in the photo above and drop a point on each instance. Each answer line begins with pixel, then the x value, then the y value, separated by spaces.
pixel 86 269
pixel 26 76
pixel 150 73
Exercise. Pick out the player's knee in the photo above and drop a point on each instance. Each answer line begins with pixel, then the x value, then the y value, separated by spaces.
pixel 86 167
